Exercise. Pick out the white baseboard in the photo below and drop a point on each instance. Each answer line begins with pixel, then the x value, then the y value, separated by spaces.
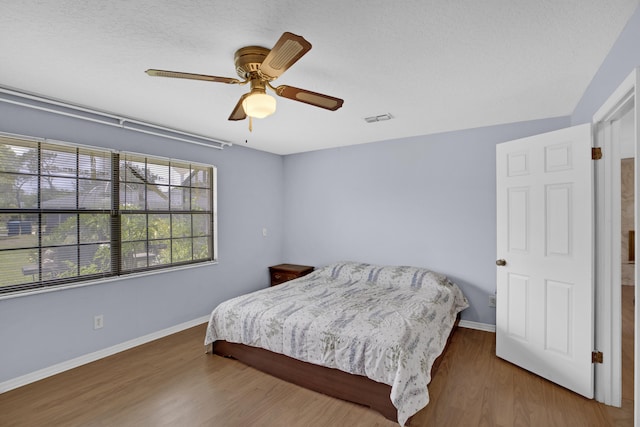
pixel 100 354
pixel 96 355
pixel 479 326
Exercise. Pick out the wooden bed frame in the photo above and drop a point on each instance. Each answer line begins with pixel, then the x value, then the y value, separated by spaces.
pixel 332 382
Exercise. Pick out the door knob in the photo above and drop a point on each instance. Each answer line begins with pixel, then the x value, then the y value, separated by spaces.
pixel 501 262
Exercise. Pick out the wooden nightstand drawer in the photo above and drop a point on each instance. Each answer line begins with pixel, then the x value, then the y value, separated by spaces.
pixel 284 272
pixel 277 278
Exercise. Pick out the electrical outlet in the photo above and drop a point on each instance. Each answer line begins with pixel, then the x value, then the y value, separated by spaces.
pixel 492 300
pixel 264 232
pixel 98 321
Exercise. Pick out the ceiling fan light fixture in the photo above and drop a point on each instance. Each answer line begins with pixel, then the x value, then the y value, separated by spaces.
pixel 260 66
pixel 259 105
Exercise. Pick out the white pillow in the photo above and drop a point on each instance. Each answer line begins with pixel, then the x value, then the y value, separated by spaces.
pixel 405 276
pixel 344 270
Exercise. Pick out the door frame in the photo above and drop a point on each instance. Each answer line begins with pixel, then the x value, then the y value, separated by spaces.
pixel 608 327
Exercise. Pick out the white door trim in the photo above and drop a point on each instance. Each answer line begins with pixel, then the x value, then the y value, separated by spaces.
pixel 608 328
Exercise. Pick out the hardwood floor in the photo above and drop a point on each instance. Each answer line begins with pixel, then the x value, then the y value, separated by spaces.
pixel 172 382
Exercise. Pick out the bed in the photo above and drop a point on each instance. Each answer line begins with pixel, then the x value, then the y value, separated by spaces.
pixel 351 330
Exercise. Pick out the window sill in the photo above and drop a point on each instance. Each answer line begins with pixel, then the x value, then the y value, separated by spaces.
pixel 68 286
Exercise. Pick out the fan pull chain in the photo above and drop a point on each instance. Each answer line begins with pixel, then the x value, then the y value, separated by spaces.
pixel 250 124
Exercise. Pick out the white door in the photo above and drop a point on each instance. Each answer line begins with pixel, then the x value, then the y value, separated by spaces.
pixel 545 229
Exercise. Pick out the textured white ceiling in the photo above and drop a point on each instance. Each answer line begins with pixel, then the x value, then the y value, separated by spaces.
pixel 435 65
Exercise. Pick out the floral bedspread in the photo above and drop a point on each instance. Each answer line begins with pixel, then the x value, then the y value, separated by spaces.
pixel 388 323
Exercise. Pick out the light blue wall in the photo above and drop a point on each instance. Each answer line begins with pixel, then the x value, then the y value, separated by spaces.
pixel 425 201
pixel 623 57
pixel 41 330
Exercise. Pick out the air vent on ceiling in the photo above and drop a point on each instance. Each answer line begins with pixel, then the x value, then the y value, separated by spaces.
pixel 380 118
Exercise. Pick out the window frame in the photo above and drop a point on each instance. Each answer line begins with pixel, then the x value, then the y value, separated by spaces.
pixel 115 212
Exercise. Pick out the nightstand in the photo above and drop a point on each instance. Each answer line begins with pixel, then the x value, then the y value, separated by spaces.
pixel 284 272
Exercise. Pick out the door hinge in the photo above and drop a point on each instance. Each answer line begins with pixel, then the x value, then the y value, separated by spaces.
pixel 596 357
pixel 596 153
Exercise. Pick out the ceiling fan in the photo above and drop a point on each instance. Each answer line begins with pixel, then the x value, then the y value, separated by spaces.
pixel 259 66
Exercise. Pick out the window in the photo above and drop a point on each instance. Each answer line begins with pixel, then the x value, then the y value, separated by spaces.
pixel 72 213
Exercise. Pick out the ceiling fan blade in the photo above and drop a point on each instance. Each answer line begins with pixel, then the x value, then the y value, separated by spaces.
pixel 287 50
pixel 308 97
pixel 238 112
pixel 179 75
